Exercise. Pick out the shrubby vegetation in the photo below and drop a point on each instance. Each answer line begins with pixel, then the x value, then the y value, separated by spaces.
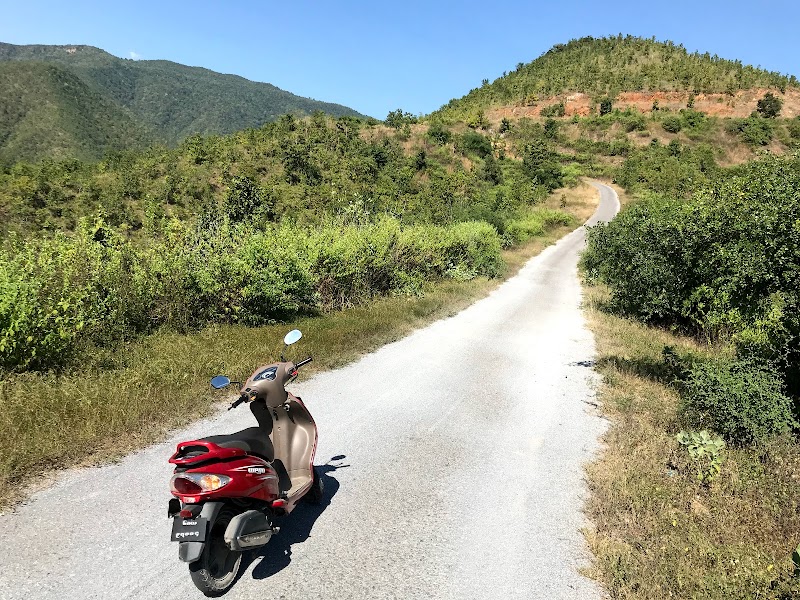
pixel 723 265
pixel 62 295
pixel 667 168
pixel 292 218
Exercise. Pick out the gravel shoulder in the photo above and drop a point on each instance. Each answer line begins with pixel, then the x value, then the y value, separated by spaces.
pixel 457 471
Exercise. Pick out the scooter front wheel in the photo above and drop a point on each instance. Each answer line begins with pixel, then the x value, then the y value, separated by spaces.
pixel 216 569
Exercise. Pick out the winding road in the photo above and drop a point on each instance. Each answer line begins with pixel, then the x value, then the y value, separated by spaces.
pixel 453 470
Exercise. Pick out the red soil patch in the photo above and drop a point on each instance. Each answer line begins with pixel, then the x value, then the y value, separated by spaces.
pixel 722 105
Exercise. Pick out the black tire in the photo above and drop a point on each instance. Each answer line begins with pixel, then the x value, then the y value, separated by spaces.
pixel 317 491
pixel 216 569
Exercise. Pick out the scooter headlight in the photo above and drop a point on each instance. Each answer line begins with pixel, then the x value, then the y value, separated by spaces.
pixel 193 483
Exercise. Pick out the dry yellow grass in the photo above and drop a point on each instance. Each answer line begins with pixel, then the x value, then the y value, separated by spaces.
pixel 658 532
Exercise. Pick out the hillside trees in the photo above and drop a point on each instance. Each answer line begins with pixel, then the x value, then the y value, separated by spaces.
pixel 397 119
pixel 540 163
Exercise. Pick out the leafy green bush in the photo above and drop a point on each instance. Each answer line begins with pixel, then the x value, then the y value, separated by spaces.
pixel 693 119
pixel 474 142
pixel 660 169
pixel 672 124
pixel 554 110
pixel 793 126
pixel 539 161
pixel 535 223
pixel 439 134
pixel 706 451
pixel 769 106
pixel 753 130
pixel 741 401
pixel 724 264
pixel 62 295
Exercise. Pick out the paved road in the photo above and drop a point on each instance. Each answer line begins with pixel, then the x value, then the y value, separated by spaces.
pixel 461 474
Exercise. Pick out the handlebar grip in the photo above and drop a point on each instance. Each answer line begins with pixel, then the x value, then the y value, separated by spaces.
pixel 303 362
pixel 238 401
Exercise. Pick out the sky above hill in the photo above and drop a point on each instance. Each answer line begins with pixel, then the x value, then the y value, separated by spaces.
pixel 415 55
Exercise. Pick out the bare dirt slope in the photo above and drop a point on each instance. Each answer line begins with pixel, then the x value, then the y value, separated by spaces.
pixel 741 104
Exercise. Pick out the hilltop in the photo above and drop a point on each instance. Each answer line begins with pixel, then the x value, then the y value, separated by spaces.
pixel 633 70
pixel 153 100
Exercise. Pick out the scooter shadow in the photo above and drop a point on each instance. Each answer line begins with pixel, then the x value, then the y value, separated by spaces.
pixel 295 529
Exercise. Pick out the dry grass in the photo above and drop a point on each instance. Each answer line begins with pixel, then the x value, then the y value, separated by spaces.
pixel 144 390
pixel 658 532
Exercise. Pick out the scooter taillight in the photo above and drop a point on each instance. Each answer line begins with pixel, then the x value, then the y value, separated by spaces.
pixel 182 485
pixel 195 483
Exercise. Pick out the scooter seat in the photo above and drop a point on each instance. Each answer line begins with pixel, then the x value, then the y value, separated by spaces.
pixel 252 440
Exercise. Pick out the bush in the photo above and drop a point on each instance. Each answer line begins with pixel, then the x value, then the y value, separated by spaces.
pixel 672 124
pixel 554 110
pixel 472 141
pixel 439 134
pixel 793 127
pixel 693 119
pixel 536 223
pixel 753 130
pixel 61 296
pixel 741 401
pixel 724 264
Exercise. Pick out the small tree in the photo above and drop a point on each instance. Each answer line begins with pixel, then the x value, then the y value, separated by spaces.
pixel 769 106
pixel 397 118
pixel 606 104
pixel 505 125
pixel 672 124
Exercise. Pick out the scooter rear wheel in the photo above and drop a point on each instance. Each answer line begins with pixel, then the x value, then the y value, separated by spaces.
pixel 216 569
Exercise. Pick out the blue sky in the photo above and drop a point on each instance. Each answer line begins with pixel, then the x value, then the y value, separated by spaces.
pixel 414 55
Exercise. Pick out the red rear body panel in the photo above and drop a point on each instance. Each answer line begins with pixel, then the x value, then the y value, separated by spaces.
pixel 251 476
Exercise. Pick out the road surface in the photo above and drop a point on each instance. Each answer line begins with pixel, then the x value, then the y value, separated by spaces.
pixel 453 470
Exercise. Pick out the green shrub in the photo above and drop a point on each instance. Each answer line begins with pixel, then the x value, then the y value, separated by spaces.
pixel 693 119
pixel 62 295
pixel 724 264
pixel 706 451
pixel 672 124
pixel 474 142
pixel 741 401
pixel 554 110
pixel 439 134
pixel 753 130
pixel 769 106
pixel 520 230
pixel 793 126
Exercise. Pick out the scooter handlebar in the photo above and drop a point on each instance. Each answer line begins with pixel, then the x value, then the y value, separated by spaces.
pixel 303 362
pixel 242 398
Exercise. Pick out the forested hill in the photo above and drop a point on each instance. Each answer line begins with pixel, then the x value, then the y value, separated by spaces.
pixel 608 66
pixel 48 111
pixel 169 100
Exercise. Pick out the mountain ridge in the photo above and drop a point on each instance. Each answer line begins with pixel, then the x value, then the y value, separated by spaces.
pixel 167 100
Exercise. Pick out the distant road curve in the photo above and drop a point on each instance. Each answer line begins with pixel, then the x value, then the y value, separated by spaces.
pixel 462 475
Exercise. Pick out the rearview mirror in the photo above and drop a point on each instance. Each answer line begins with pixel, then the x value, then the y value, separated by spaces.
pixel 293 336
pixel 219 382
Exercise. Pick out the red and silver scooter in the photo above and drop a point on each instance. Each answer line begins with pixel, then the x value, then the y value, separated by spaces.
pixel 229 488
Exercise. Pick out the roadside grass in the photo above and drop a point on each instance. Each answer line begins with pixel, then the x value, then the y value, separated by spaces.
pixel 135 394
pixel 657 531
